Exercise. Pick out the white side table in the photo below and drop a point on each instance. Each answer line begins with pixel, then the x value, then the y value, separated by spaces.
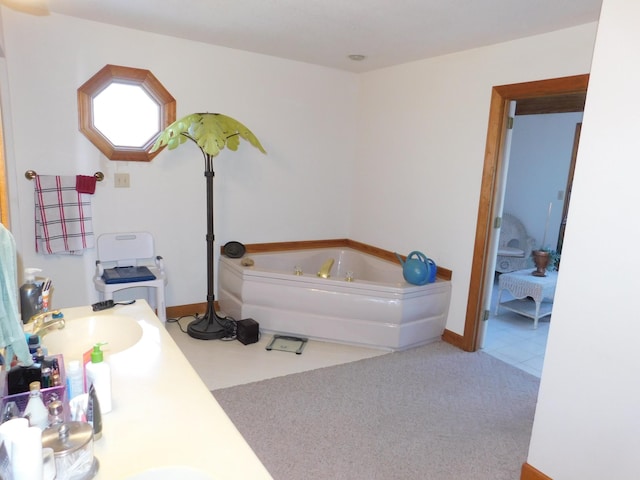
pixel 521 284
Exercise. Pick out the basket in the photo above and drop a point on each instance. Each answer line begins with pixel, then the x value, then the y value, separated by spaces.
pixel 48 394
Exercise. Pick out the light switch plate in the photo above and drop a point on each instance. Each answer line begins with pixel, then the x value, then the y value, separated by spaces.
pixel 121 180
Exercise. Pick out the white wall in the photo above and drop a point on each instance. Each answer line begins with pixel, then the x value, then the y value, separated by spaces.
pixel 587 424
pixel 392 158
pixel 539 161
pixel 423 135
pixel 303 115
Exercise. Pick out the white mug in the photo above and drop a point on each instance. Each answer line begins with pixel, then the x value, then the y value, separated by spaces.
pixel 48 464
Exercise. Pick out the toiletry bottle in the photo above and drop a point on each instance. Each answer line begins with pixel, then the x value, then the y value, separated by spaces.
pixel 35 410
pixel 45 377
pixel 56 381
pixel 30 295
pixel 38 357
pixel 46 295
pixel 34 344
pixel 94 415
pixel 75 379
pixel 99 375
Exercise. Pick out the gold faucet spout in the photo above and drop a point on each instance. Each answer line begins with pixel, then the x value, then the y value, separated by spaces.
pixel 41 326
pixel 40 318
pixel 325 269
pixel 47 327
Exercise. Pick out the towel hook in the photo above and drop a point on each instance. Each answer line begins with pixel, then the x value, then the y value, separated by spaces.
pixel 31 174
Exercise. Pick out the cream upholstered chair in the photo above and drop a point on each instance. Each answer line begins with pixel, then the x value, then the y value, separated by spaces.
pixel 515 245
pixel 132 249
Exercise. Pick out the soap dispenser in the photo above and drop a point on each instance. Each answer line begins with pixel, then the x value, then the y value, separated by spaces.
pixel 30 295
pixel 99 375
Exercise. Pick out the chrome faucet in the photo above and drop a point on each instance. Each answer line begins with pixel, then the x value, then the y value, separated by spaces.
pixel 325 269
pixel 41 326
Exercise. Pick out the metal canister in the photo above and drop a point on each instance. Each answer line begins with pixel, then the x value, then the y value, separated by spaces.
pixel 72 445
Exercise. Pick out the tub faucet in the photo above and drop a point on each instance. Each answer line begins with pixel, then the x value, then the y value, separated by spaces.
pixel 325 269
pixel 41 326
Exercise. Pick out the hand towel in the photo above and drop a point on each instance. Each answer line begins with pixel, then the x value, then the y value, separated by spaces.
pixel 63 216
pixel 11 334
pixel 86 184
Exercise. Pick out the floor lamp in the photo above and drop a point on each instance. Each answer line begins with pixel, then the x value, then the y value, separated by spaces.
pixel 211 132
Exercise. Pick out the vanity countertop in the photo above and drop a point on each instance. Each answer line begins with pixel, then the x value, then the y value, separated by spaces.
pixel 163 414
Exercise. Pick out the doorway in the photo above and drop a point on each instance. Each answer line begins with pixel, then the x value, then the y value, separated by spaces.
pixel 538 177
pixel 565 89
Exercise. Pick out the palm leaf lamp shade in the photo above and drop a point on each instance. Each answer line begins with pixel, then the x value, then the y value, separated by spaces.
pixel 212 132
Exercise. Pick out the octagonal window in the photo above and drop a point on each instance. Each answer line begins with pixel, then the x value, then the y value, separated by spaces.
pixel 134 130
pixel 122 110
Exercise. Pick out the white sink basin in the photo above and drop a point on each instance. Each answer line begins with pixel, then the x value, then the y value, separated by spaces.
pixel 118 332
pixel 172 473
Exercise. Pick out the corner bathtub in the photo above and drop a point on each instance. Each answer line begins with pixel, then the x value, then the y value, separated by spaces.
pixel 376 309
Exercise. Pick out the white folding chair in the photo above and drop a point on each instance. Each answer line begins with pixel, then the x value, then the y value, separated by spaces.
pixel 128 250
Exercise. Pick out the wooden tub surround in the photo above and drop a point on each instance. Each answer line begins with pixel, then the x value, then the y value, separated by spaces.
pixel 443 273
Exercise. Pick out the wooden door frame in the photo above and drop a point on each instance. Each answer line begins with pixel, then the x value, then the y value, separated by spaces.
pixel 4 196
pixel 568 188
pixel 500 98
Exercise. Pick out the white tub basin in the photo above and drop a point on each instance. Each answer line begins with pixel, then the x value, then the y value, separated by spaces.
pixel 118 332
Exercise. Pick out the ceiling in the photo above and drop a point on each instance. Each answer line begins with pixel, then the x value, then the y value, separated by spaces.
pixel 325 32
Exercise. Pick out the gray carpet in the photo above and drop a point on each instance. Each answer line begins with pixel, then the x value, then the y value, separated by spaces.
pixel 433 412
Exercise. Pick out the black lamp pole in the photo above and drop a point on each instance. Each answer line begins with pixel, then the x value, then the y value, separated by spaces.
pixel 211 132
pixel 211 326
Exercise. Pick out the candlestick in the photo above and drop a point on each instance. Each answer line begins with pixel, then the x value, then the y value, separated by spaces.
pixel 546 227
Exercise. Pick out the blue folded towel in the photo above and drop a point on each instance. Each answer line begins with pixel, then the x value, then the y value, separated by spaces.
pixel 11 333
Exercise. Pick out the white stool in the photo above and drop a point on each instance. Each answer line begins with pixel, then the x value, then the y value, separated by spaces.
pixel 127 250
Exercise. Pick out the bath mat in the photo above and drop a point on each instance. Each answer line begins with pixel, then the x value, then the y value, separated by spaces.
pixel 286 343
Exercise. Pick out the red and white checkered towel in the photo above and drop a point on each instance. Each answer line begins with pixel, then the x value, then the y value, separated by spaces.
pixel 63 216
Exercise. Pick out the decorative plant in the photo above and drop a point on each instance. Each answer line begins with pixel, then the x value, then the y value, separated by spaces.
pixel 545 258
pixel 554 258
pixel 212 132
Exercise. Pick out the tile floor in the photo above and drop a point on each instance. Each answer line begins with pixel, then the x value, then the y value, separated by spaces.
pixel 223 364
pixel 509 337
pixel 512 338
